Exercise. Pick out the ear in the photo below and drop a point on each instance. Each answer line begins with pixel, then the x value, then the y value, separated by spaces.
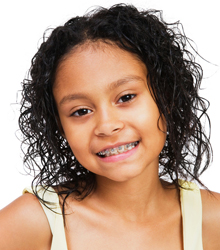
pixel 60 127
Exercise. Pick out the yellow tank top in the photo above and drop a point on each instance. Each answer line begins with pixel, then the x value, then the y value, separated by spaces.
pixel 191 206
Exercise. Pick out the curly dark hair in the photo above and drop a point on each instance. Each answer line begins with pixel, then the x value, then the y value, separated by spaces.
pixel 174 78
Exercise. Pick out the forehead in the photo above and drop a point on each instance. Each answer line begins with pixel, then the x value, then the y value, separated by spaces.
pixel 94 56
pixel 96 69
pixel 85 50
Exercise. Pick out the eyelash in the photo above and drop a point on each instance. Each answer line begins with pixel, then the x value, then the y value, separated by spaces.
pixel 131 96
pixel 128 96
pixel 79 110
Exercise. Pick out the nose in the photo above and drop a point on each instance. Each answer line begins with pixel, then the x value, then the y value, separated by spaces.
pixel 108 123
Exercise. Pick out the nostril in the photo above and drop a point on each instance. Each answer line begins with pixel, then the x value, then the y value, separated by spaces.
pixel 108 128
pixel 116 129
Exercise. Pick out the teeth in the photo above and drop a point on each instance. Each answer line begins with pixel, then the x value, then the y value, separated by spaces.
pixel 118 150
pixel 121 149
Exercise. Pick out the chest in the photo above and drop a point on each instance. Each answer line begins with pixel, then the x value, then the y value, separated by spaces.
pixel 97 234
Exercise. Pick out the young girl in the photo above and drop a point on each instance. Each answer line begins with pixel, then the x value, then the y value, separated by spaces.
pixel 111 119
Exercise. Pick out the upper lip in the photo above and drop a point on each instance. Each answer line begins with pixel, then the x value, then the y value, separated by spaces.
pixel 114 145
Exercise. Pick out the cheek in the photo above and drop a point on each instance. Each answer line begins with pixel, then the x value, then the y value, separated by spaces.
pixel 147 115
pixel 153 133
pixel 70 131
pixel 78 139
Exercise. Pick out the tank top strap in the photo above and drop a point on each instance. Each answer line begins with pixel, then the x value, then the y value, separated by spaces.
pixel 54 216
pixel 191 206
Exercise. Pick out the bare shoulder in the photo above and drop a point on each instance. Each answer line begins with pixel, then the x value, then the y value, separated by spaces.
pixel 211 220
pixel 23 225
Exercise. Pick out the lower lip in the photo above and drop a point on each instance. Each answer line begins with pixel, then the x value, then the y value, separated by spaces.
pixel 120 157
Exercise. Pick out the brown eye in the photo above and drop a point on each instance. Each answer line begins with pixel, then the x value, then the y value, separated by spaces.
pixel 81 112
pixel 126 98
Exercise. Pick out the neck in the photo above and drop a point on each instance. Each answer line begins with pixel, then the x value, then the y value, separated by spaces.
pixel 134 200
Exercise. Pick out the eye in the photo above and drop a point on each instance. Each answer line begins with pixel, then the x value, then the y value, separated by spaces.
pixel 81 112
pixel 126 98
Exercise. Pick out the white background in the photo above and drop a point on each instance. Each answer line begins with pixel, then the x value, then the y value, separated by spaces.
pixel 22 26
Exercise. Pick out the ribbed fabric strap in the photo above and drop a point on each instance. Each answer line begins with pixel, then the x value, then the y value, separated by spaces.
pixel 191 205
pixel 55 218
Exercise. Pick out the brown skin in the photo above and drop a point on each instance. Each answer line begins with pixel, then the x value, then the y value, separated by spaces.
pixel 107 228
pixel 211 220
pixel 130 208
pixel 19 233
pixel 24 226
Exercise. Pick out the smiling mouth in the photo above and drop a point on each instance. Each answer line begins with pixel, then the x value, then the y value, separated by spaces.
pixel 117 150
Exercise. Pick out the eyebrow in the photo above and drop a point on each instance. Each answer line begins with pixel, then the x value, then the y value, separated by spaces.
pixel 110 87
pixel 124 80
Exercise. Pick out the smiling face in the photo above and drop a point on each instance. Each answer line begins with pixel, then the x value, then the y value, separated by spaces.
pixel 107 113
